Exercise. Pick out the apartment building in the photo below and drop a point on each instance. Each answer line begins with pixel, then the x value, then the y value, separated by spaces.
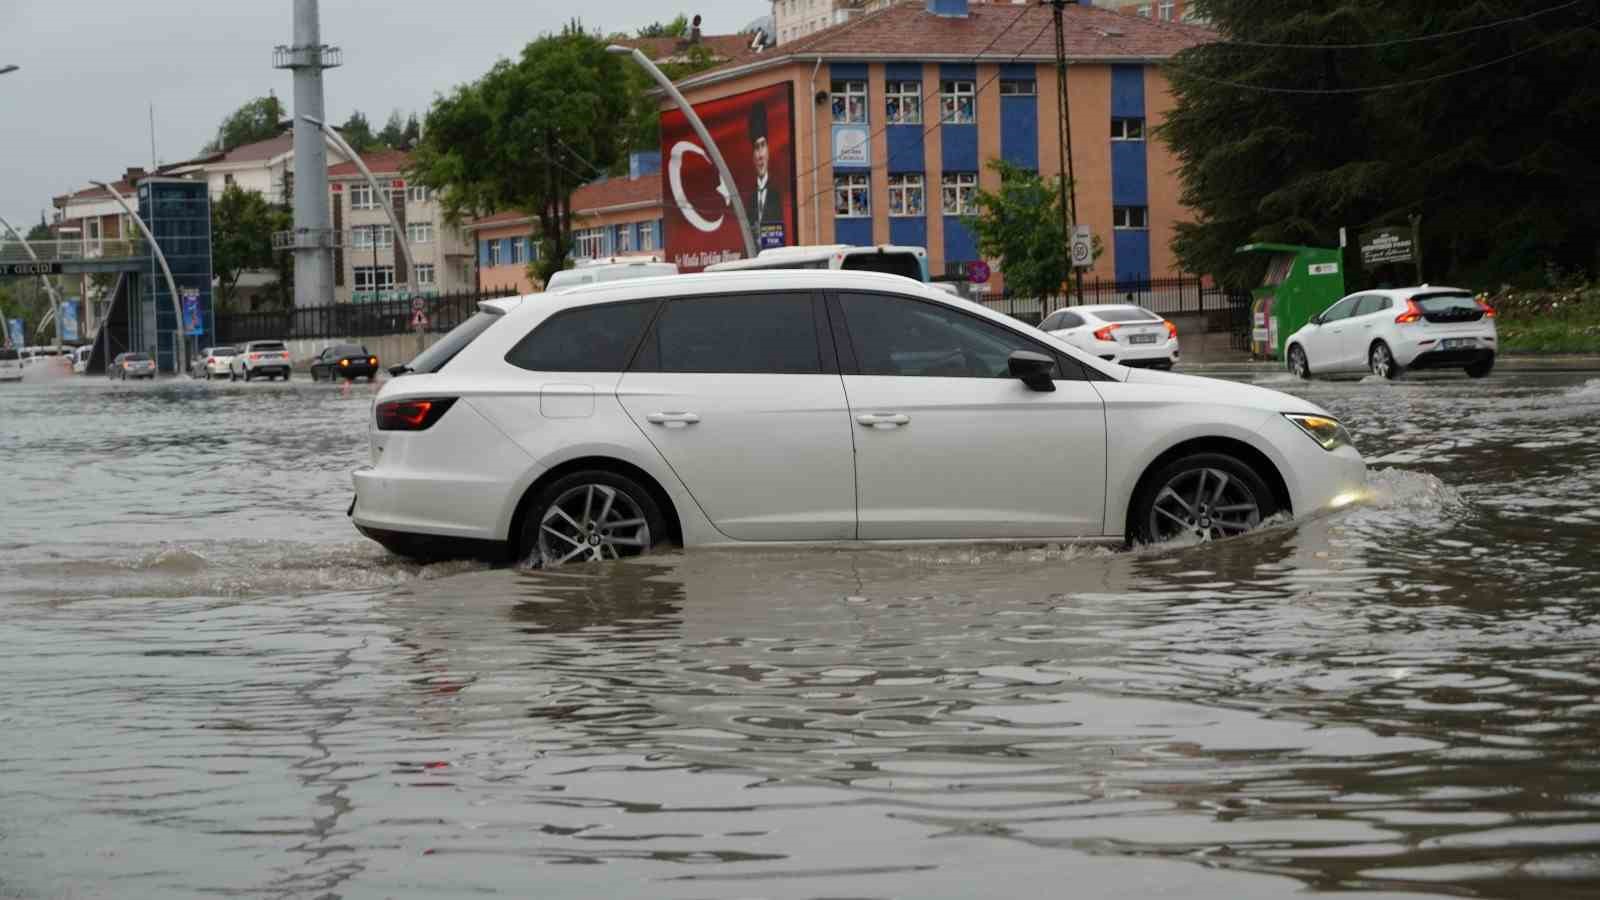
pixel 371 265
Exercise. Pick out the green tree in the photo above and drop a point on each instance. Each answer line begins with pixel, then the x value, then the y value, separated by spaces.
pixel 527 134
pixel 1020 226
pixel 242 225
pixel 258 120
pixel 644 117
pixel 676 28
pixel 412 132
pixel 393 134
pixel 357 131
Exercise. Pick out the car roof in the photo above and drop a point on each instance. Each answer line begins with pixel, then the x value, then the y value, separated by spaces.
pixel 766 279
pixel 1105 307
pixel 1413 289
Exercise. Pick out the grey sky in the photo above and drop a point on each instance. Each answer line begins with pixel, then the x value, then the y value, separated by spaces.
pixel 79 107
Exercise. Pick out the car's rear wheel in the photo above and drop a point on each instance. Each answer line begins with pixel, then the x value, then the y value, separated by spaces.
pixel 1298 363
pixel 1201 498
pixel 1381 361
pixel 590 516
pixel 1481 369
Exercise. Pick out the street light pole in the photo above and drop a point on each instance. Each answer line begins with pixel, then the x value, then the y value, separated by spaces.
pixel 180 346
pixel 705 138
pixel 7 70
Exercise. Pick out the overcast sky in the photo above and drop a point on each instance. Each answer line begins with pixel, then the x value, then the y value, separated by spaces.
pixel 79 108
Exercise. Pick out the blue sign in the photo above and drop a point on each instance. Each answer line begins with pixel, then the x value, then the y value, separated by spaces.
pixel 772 236
pixel 193 322
pixel 14 338
pixel 69 319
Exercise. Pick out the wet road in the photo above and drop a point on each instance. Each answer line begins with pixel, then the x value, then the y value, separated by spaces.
pixel 212 686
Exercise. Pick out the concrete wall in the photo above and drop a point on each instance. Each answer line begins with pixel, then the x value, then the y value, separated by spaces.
pixel 390 348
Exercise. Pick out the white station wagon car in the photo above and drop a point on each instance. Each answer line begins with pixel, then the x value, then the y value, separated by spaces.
pixel 813 406
pixel 1386 332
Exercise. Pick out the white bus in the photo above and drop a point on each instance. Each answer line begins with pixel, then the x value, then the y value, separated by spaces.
pixel 911 262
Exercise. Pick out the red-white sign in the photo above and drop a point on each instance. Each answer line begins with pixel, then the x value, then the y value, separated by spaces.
pixel 419 320
pixel 398 184
pixel 338 187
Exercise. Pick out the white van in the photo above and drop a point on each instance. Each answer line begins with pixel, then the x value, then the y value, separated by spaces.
pixel 890 259
pixel 611 268
pixel 80 359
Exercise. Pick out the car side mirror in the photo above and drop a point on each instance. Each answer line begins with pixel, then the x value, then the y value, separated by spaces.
pixel 1033 369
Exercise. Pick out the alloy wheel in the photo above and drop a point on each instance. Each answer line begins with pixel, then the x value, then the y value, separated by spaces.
pixel 592 522
pixel 1382 363
pixel 1203 504
pixel 1297 363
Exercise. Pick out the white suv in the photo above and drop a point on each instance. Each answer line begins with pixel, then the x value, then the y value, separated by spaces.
pixel 257 359
pixel 813 406
pixel 1386 332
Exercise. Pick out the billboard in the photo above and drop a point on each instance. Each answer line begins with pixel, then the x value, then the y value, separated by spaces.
pixel 755 132
pixel 14 333
pixel 193 322
pixel 69 319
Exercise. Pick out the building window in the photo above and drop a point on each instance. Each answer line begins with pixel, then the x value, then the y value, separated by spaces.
pixel 227 179
pixel 425 275
pixel 1144 11
pixel 907 195
pixel 370 278
pixel 1130 217
pixel 368 236
pixel 849 102
pixel 904 102
pixel 494 252
pixel 1127 129
pixel 624 238
pixel 1018 87
pixel 957 102
pixel 1165 10
pixel 852 196
pixel 418 194
pixel 361 197
pixel 516 251
pixel 419 232
pixel 588 243
pixel 958 193
pixel 647 235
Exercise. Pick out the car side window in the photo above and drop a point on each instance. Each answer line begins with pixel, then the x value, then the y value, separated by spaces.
pixel 901 336
pixel 1371 303
pixel 1070 320
pixel 774 334
pixel 1051 322
pixel 1341 310
pixel 599 338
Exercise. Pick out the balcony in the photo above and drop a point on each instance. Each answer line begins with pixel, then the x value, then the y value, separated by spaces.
pixel 320 56
pixel 308 239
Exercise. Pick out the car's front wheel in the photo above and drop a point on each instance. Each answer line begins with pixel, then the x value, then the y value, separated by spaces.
pixel 590 516
pixel 1381 362
pixel 1298 363
pixel 1200 498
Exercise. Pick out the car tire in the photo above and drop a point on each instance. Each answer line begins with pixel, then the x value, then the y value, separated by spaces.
pixel 1380 361
pixel 1298 364
pixel 1481 369
pixel 563 523
pixel 1229 498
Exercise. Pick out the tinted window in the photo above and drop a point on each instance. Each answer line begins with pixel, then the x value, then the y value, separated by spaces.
pixel 445 349
pixel 1447 302
pixel 349 350
pixel 1051 322
pixel 136 357
pixel 1126 314
pixel 267 345
pixel 587 339
pixel 1341 310
pixel 754 333
pixel 889 263
pixel 8 354
pixel 1070 320
pixel 899 336
pixel 1371 303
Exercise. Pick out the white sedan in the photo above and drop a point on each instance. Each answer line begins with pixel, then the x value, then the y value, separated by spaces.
pixel 813 407
pixel 1121 333
pixel 1386 332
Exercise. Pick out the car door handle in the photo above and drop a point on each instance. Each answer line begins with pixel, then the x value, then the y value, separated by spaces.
pixel 883 421
pixel 672 419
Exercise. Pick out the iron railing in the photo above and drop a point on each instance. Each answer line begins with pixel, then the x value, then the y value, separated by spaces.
pixel 352 320
pixel 73 250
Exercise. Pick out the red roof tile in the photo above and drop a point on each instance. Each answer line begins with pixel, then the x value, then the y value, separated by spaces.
pixel 601 195
pixel 258 151
pixel 721 46
pixel 381 162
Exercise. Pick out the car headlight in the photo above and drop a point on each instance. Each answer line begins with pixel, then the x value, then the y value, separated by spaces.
pixel 1326 431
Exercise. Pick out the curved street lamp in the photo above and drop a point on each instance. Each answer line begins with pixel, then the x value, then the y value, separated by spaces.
pixel 6 70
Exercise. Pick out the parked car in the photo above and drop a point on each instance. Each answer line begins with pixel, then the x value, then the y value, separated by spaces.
pixel 132 365
pixel 813 406
pixel 347 361
pixel 1120 333
pixel 10 364
pixel 609 269
pixel 212 362
pixel 260 359
pixel 1386 332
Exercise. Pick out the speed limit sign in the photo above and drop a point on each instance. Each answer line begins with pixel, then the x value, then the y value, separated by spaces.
pixel 1082 247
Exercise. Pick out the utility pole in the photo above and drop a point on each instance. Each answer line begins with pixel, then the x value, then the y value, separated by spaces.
pixel 313 238
pixel 1069 183
pixel 7 70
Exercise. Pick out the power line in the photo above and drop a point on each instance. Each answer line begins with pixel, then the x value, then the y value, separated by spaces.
pixel 1393 85
pixel 1393 42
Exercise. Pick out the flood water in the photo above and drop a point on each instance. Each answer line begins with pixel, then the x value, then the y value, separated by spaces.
pixel 212 686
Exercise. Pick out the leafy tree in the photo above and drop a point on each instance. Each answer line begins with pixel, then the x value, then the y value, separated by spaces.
pixel 242 225
pixel 526 134
pixel 644 116
pixel 258 120
pixel 41 231
pixel 412 133
pixel 1020 226
pixel 676 28
pixel 357 131
pixel 393 134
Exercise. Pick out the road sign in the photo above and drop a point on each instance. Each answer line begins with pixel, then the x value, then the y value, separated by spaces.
pixel 977 271
pixel 1082 247
pixel 1381 246
pixel 419 320
pixel 417 305
pixel 30 268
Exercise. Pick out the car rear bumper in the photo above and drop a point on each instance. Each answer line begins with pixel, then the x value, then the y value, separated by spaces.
pixel 1164 354
pixel 1451 359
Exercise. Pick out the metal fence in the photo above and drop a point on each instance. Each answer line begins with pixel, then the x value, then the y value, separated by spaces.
pixel 1165 296
pixel 351 320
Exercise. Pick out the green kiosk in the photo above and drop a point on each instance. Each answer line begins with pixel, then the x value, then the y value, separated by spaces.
pixel 1300 282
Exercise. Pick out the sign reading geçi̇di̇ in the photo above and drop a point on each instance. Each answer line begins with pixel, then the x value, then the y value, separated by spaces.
pixel 29 268
pixel 1393 244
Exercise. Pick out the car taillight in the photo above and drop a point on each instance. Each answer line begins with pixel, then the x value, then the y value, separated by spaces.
pixel 344 362
pixel 412 415
pixel 372 360
pixel 1413 313
pixel 211 360
pixel 1105 334
pixel 255 357
pixel 1488 311
pixel 1172 331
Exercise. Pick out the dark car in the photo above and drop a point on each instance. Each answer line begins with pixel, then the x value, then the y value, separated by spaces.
pixel 347 361
pixel 132 365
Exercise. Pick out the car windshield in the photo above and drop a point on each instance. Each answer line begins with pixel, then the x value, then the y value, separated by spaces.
pixel 1447 302
pixel 439 355
pixel 1125 314
pixel 136 357
pixel 349 350
pixel 9 354
pixel 266 345
pixel 224 351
